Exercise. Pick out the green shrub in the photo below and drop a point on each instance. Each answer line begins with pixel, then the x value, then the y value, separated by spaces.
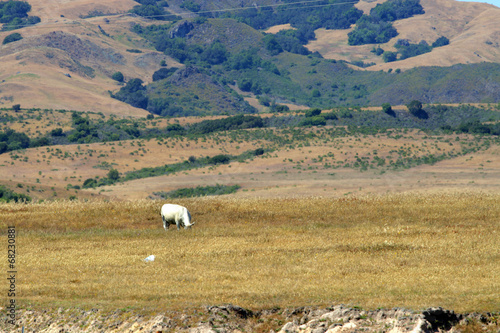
pixel 118 76
pixel 7 195
pixel 199 191
pixel 12 38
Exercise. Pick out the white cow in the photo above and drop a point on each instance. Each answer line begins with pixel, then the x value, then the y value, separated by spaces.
pixel 175 214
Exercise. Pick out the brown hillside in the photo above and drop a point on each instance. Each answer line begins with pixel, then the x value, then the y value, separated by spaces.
pixel 66 62
pixel 472 28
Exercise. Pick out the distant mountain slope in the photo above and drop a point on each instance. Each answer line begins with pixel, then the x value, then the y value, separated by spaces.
pixel 68 60
pixel 472 28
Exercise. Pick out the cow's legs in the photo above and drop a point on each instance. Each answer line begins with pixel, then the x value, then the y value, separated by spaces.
pixel 165 224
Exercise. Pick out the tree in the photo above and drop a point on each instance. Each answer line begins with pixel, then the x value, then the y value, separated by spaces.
pixel 113 175
pixel 215 54
pixel 150 11
pixel 389 56
pixel 57 132
pixel 313 112
pixel 134 93
pixel 272 45
pixel 118 76
pixel 219 159
pixel 386 107
pixel 441 41
pixel 279 108
pixel 415 108
pixel 245 85
pixel 16 107
pixel 316 93
pixel 163 73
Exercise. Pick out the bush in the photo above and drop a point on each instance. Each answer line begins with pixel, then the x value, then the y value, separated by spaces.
pixel 199 191
pixel 389 56
pixel 12 38
pixel 386 107
pixel 219 159
pixel 191 6
pixel 163 73
pixel 415 108
pixel 89 183
pixel 118 76
pixel 113 175
pixel 134 93
pixel 7 195
pixel 245 85
pixel 313 121
pixel 313 112
pixel 441 41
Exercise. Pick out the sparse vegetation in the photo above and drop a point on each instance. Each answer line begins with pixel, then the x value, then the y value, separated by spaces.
pixel 199 191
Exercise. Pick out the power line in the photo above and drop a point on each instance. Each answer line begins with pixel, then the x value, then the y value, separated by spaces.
pixel 260 7
pixel 78 21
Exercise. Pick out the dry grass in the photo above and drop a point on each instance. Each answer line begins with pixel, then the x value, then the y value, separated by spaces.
pixel 323 165
pixel 379 251
pixel 469 26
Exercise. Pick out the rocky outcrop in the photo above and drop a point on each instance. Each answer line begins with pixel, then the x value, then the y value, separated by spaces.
pixel 341 319
pixel 181 29
pixel 234 319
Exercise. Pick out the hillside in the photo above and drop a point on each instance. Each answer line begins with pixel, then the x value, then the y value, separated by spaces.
pixel 472 28
pixel 67 60
pixel 33 70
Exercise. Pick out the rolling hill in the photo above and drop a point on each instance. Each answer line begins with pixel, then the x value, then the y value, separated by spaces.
pixel 472 28
pixel 67 60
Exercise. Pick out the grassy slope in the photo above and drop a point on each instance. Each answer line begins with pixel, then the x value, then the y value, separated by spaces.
pixel 49 88
pixel 411 251
pixel 471 27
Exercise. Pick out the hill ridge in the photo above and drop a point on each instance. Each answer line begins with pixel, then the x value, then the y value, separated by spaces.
pixel 92 49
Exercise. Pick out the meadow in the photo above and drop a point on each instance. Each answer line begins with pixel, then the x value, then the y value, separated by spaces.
pixel 375 251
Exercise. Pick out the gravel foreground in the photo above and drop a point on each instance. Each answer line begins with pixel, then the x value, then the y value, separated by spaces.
pixel 231 318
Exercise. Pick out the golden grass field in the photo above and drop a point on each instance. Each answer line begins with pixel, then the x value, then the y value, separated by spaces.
pixel 406 250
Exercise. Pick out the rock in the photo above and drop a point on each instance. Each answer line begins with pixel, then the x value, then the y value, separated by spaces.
pixel 290 327
pixel 202 329
pixel 181 30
